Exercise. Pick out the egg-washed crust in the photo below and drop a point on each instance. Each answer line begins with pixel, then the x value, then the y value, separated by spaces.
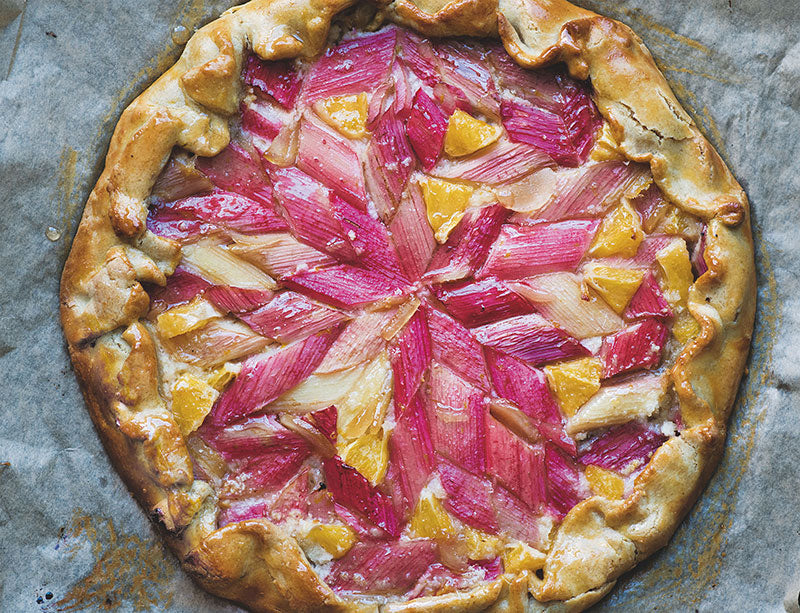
pixel 102 300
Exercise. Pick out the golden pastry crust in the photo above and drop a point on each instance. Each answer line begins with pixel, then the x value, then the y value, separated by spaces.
pixel 102 299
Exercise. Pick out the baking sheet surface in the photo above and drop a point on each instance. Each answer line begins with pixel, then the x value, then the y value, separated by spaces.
pixel 71 536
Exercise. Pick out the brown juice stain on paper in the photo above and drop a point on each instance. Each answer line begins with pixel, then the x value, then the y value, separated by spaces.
pixel 127 569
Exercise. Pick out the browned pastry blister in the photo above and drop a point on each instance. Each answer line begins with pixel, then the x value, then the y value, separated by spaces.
pixel 103 300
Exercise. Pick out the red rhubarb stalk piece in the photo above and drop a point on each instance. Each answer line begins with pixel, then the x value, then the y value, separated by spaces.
pixel 382 568
pixel 497 164
pixel 411 450
pixel 234 169
pixel 463 257
pixel 527 388
pixel 351 67
pixel 564 488
pixel 290 317
pixel 522 251
pixel 412 234
pixel 181 287
pixel 347 286
pixel 636 347
pixel 265 377
pixel 480 302
pixel 410 357
pixel 454 346
pixel 426 127
pixel 648 301
pixel 619 446
pixel 332 160
pixel 279 79
pixel 237 299
pixel 515 464
pixel 469 497
pixel 530 338
pixel 351 489
pixel 456 413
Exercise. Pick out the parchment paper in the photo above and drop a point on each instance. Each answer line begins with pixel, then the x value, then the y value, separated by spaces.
pixel 71 536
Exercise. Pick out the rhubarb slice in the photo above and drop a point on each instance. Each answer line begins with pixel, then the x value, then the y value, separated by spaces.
pixel 353 66
pixel 347 286
pixel 522 251
pixel 592 189
pixel 637 398
pixel 618 448
pixel 460 258
pixel 392 155
pixel 226 210
pixel 411 233
pixel 636 347
pixel 359 342
pixel 515 464
pixel 411 355
pixel 575 308
pixel 457 419
pixel 382 567
pixel 333 161
pixel 307 207
pixel 426 127
pixel 236 299
pixel 181 287
pixel 499 163
pixel 278 79
pixel 217 342
pixel 454 346
pixel 480 302
pixel 464 66
pixel 279 255
pixel 265 377
pixel 235 170
pixel 352 490
pixel 526 387
pixel 411 449
pixel 648 301
pixel 564 488
pixel 531 338
pixel 469 497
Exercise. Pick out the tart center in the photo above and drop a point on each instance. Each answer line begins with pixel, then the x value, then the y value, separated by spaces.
pixel 424 309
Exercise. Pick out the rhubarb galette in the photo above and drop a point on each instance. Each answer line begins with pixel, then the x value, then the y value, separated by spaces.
pixel 369 320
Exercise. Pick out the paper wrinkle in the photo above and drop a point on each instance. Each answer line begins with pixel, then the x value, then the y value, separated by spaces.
pixel 736 69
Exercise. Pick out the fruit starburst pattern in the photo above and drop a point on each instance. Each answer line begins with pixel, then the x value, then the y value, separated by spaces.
pixel 423 310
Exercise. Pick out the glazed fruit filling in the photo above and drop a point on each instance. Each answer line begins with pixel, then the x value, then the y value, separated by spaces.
pixel 425 308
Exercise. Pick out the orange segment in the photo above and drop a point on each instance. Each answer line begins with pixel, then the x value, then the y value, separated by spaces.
pixel 430 520
pixel 445 203
pixel 466 134
pixel 676 279
pixel 348 114
pixel 186 317
pixel 335 540
pixel 605 482
pixel 616 285
pixel 574 382
pixel 192 399
pixel 620 234
pixel 368 454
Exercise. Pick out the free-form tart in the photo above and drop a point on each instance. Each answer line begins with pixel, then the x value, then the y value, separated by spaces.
pixel 373 320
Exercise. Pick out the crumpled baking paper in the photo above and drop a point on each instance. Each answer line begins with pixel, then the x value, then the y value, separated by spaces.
pixel 71 536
